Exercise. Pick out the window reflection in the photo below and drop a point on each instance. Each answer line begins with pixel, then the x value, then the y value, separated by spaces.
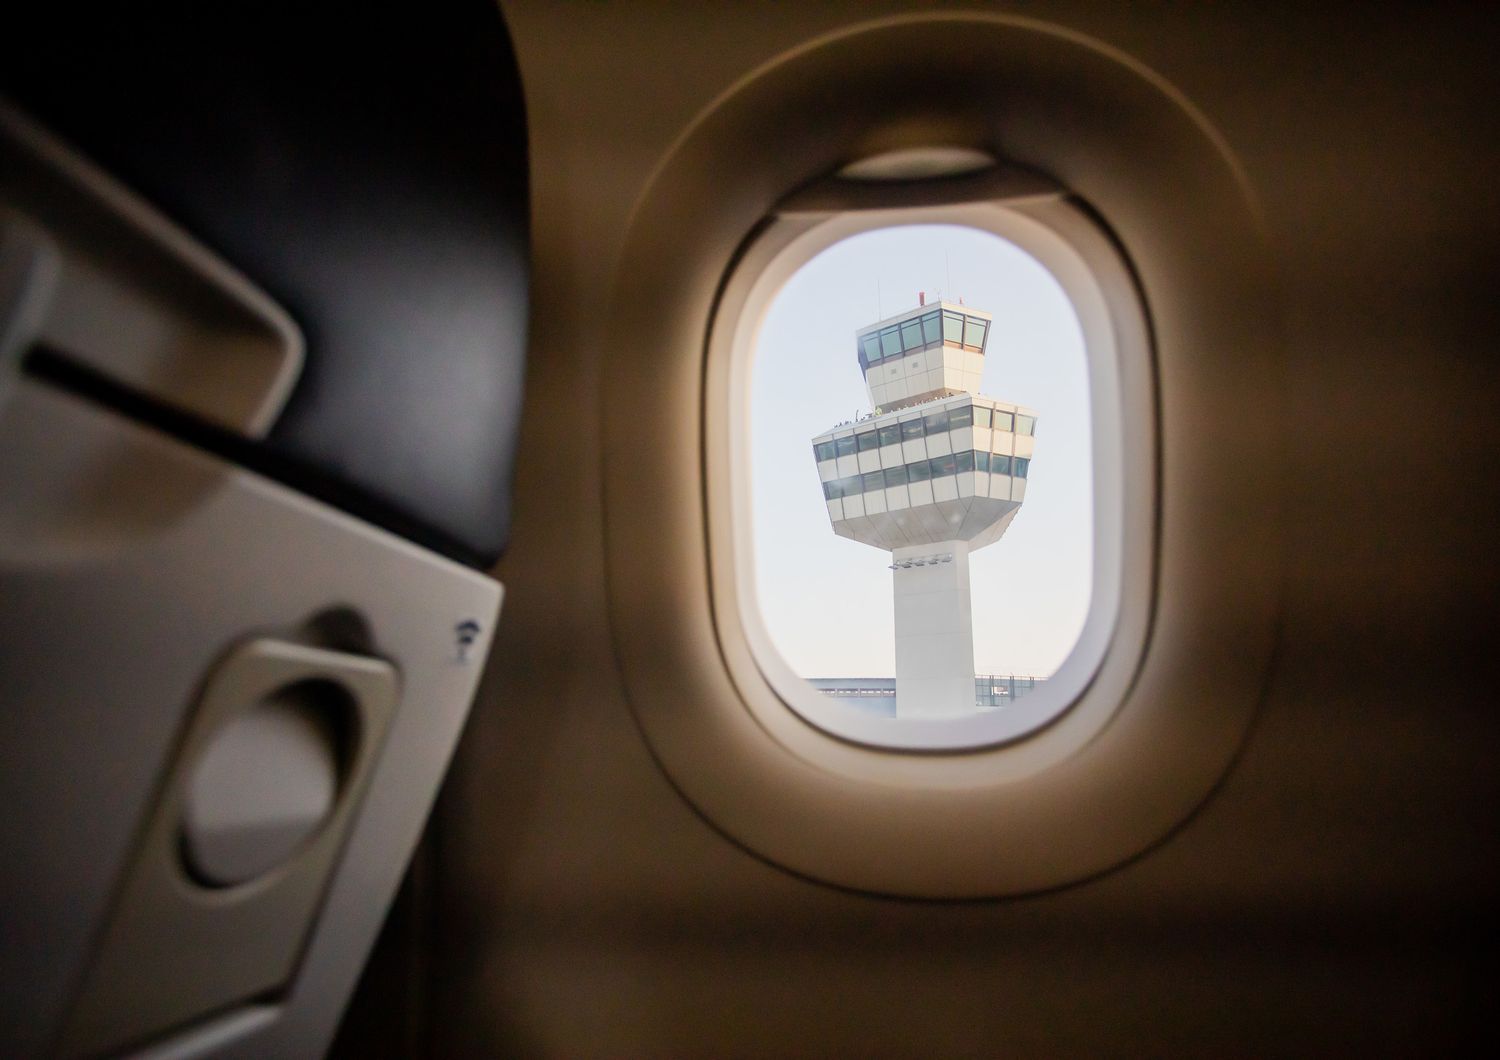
pixel 932 330
pixel 923 470
pixel 953 328
pixel 941 422
pixel 919 333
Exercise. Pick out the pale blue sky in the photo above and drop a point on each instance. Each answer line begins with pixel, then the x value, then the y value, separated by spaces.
pixel 826 599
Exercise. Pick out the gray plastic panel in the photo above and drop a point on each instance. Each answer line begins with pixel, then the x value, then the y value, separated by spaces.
pixel 129 564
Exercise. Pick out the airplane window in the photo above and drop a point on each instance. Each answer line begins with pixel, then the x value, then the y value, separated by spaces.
pixel 968 580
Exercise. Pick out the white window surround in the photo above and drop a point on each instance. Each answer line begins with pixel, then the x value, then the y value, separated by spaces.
pixel 1056 806
pixel 1119 370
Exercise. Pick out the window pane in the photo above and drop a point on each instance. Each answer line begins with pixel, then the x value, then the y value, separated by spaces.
pixel 890 342
pixel 1022 463
pixel 932 328
pixel 953 327
pixel 844 446
pixel 1025 424
pixel 825 451
pixel 816 594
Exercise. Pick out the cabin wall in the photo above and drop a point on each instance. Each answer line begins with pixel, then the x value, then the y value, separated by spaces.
pixel 1333 894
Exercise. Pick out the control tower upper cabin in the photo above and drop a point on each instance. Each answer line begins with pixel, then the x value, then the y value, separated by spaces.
pixel 928 352
pixel 937 471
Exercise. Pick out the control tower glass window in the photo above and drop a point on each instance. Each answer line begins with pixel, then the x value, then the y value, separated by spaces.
pixel 932 329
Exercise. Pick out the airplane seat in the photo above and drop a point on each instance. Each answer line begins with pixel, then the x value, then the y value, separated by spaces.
pixel 264 288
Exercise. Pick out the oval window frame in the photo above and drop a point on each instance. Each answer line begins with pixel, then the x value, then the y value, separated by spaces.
pixel 978 823
pixel 1024 210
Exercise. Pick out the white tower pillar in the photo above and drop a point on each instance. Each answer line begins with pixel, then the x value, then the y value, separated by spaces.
pixel 934 630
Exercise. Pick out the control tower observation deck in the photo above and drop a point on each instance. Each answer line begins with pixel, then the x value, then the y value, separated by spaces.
pixel 936 472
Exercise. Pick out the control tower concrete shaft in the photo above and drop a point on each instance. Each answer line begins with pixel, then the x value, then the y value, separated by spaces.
pixel 937 471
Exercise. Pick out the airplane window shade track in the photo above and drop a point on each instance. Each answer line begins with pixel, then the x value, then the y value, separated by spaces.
pixel 943 806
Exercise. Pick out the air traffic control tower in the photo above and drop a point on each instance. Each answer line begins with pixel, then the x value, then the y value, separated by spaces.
pixel 936 472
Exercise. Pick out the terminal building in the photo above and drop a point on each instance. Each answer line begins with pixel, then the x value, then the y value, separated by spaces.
pixel 937 471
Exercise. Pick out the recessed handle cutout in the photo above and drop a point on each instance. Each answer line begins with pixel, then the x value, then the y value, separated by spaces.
pixel 267 782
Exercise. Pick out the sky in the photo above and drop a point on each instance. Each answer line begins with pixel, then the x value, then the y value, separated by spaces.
pixel 826 600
